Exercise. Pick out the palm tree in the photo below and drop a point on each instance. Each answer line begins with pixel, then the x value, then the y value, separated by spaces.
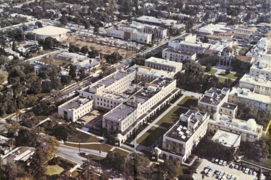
pixel 35 35
pixel 11 142
pixel 90 61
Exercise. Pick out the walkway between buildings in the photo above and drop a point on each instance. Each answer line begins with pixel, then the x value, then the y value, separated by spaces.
pixel 156 120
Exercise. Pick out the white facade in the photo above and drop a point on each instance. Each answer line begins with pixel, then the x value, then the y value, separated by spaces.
pixel 75 108
pixel 130 34
pixel 162 64
pixel 177 55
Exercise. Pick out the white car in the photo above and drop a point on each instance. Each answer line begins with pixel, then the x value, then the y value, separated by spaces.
pixel 220 162
pixel 236 166
pixel 208 174
pixel 217 160
pixel 246 171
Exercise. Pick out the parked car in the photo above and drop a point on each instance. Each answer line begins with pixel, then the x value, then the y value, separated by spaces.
pixel 240 168
pixel 228 176
pixel 217 172
pixel 208 174
pixel 224 163
pixel 220 162
pixel 232 166
pixel 236 178
pixel 217 160
pixel 236 166
pixel 246 171
pixel 213 160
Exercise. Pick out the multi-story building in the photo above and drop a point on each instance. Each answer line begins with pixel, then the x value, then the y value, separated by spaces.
pixel 128 33
pixel 214 98
pixel 162 64
pixel 244 32
pixel 150 29
pixel 249 130
pixel 156 21
pixel 130 97
pixel 178 55
pixel 75 108
pixel 259 101
pixel 184 135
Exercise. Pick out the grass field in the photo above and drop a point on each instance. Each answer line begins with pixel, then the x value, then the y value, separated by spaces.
pixel 188 101
pixel 84 138
pixel 212 71
pixel 232 75
pixel 171 117
pixel 220 79
pixel 150 136
pixel 53 169
pixel 122 153
pixel 96 147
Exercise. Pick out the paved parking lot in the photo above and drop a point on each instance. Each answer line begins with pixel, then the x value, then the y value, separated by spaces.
pixel 239 174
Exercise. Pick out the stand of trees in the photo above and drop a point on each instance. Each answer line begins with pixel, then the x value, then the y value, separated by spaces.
pixel 194 78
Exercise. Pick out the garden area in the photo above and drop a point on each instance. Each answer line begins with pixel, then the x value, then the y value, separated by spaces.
pixel 231 75
pixel 85 138
pixel 171 117
pixel 122 153
pixel 96 147
pixel 212 71
pixel 188 101
pixel 152 135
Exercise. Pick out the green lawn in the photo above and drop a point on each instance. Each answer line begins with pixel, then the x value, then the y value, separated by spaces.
pixel 232 75
pixel 122 153
pixel 180 170
pixel 84 138
pixel 53 169
pixel 106 148
pixel 212 71
pixel 150 136
pixel 171 117
pixel 188 101
pixel 220 79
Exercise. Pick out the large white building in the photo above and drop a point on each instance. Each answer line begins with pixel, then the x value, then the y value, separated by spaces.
pixel 128 33
pixel 178 55
pixel 128 100
pixel 156 21
pixel 184 135
pixel 151 29
pixel 51 31
pixel 214 98
pixel 162 64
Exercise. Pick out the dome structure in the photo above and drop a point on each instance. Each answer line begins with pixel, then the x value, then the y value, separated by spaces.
pixel 216 116
pixel 251 125
pixel 119 136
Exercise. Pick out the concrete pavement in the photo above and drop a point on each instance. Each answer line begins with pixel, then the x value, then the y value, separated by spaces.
pixel 71 153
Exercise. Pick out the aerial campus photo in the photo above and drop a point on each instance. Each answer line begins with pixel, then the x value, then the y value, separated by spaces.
pixel 135 89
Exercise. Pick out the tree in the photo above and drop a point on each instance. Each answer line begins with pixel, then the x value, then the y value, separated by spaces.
pixel 46 86
pixel 62 131
pixel 96 28
pixel 11 170
pixel 12 128
pixel 105 176
pixel 3 60
pixel 35 87
pixel 90 61
pixel 50 43
pixel 11 142
pixel 84 50
pixel 94 53
pixel 208 68
pixel 26 137
pixel 82 73
pixel 57 95
pixel 73 48
pixel 39 24
pixel 13 45
pixel 63 20
pixel 185 177
pixel 65 80
pixel 72 71
pixel 228 71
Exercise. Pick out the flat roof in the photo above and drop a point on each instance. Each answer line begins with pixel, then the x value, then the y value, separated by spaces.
pixel 226 138
pixel 179 51
pixel 120 112
pixel 152 19
pixel 75 103
pixel 229 105
pixel 163 62
pixel 50 30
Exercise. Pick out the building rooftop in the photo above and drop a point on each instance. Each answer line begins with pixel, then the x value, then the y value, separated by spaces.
pixel 75 103
pixel 226 138
pixel 248 94
pixel 250 29
pixel 163 62
pixel 151 19
pixel 218 37
pixel 120 112
pixel 243 58
pixel 179 51
pixel 260 81
pixel 50 31
pixel 20 153
pixel 214 96
pixel 229 105
pixel 181 130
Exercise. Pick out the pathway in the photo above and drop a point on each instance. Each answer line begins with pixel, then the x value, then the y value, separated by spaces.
pixel 161 127
pixel 156 120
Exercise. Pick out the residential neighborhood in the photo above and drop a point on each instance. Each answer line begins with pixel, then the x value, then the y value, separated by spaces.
pixel 133 89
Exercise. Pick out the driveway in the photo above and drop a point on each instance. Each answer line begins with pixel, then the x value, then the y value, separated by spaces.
pixel 239 174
